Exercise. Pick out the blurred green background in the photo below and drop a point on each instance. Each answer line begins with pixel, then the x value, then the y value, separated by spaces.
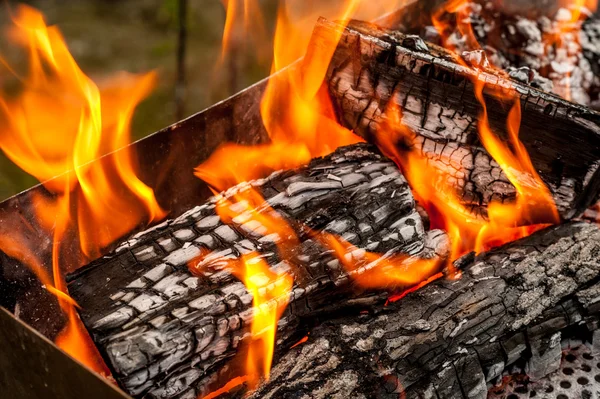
pixel 107 36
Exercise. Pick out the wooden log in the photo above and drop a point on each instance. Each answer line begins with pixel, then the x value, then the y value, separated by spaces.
pixel 163 331
pixel 453 339
pixel 372 67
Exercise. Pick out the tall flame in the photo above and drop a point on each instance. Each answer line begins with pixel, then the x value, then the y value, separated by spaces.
pixel 53 129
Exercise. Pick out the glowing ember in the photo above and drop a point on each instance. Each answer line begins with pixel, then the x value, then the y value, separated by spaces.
pixel 58 123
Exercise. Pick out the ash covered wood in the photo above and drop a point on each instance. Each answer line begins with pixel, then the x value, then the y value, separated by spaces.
pixel 372 66
pixel 454 339
pixel 166 333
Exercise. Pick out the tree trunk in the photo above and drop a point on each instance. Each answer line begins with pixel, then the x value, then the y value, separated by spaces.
pixel 450 339
pixel 163 331
pixel 372 68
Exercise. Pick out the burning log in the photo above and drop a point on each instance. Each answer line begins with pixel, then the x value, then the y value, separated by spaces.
pixel 371 67
pixel 166 332
pixel 452 339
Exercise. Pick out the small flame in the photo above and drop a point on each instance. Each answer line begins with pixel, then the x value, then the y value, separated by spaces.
pixel 371 270
pixel 270 289
pixel 53 129
pixel 251 27
pixel 271 294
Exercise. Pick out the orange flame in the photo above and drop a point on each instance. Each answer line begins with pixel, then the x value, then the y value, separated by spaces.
pixel 269 289
pixel 271 294
pixel 252 27
pixel 534 205
pixel 563 41
pixel 53 129
pixel 370 270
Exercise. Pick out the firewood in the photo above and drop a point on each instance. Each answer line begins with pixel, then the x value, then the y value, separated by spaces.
pixel 453 339
pixel 371 67
pixel 163 331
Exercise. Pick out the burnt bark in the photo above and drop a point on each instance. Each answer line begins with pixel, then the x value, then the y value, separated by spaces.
pixel 453 338
pixel 372 68
pixel 168 333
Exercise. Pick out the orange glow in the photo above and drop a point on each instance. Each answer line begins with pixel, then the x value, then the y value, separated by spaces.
pixel 235 382
pixel 560 41
pixel 370 270
pixel 59 123
pixel 461 11
pixel 397 297
pixel 302 340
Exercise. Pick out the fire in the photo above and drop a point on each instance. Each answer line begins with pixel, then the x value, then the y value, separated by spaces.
pixel 271 294
pixel 295 108
pixel 270 290
pixel 300 121
pixel 533 207
pixel 370 270
pixel 53 129
pixel 251 27
pixel 462 12
pixel 563 41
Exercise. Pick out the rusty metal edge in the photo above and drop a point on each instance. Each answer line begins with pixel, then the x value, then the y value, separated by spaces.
pixel 31 366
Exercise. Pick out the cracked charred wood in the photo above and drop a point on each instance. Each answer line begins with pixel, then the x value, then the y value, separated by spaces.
pixel 372 68
pixel 164 331
pixel 454 339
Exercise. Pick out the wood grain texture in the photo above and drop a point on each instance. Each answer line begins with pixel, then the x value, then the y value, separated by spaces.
pixel 451 338
pixel 165 332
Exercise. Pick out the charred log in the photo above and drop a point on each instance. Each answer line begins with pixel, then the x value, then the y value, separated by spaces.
pixel 452 339
pixel 165 332
pixel 373 68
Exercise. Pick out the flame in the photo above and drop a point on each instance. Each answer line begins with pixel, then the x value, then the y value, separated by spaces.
pixel 371 270
pixel 563 41
pixel 295 108
pixel 252 28
pixel 301 124
pixel 270 291
pixel 462 12
pixel 532 210
pixel 533 207
pixel 271 294
pixel 53 129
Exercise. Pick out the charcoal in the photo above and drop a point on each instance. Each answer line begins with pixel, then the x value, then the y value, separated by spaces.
pixel 164 331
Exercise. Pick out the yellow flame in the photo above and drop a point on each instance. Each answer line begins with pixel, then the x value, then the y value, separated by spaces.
pixel 53 129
